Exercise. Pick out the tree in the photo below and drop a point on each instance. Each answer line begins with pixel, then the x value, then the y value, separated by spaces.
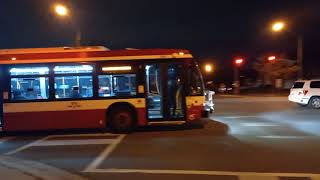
pixel 277 69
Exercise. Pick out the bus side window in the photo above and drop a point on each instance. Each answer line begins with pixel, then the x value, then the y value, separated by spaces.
pixel 29 88
pixel 117 85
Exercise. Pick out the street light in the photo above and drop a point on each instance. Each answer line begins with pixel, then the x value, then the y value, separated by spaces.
pixel 278 26
pixel 237 63
pixel 208 68
pixel 281 26
pixel 63 11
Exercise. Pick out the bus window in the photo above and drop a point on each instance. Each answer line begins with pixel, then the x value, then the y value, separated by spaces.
pixel 70 85
pixel 117 85
pixel 29 88
pixel 124 85
pixel 73 87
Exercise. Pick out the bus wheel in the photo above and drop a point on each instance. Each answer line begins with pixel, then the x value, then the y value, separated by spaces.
pixel 121 121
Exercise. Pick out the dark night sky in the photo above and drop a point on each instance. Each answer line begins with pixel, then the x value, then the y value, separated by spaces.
pixel 209 28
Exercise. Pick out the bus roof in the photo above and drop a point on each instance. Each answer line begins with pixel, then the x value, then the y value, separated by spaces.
pixel 89 53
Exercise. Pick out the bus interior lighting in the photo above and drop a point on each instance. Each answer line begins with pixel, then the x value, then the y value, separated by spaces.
pixel 119 68
pixel 74 68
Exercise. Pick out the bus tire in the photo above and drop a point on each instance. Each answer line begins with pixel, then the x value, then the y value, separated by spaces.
pixel 122 120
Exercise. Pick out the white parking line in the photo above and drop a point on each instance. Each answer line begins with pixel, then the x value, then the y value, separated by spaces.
pixel 46 142
pixel 239 117
pixel 242 175
pixel 258 178
pixel 284 137
pixel 27 146
pixel 75 142
pixel 103 155
pixel 5 139
pixel 83 135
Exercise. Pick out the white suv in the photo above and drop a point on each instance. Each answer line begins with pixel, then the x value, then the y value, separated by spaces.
pixel 306 92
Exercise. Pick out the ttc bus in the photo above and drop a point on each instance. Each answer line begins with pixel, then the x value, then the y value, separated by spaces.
pixel 94 87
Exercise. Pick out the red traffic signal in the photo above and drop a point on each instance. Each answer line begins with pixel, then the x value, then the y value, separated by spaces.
pixel 238 61
pixel 271 58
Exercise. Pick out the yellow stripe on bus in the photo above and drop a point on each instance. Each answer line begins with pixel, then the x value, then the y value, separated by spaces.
pixel 195 100
pixel 69 105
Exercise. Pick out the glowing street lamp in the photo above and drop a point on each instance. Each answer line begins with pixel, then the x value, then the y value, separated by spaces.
pixel 278 26
pixel 281 26
pixel 208 68
pixel 61 10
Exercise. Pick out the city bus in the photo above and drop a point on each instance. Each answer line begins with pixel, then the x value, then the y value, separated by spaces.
pixel 94 87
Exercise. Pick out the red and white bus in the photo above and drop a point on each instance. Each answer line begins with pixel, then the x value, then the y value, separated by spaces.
pixel 93 87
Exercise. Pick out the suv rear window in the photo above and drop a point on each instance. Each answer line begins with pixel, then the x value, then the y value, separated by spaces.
pixel 298 85
pixel 315 84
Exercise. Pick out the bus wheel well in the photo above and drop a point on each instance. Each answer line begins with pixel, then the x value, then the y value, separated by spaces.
pixel 121 106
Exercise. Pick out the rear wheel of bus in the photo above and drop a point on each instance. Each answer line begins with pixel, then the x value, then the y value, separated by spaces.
pixel 122 120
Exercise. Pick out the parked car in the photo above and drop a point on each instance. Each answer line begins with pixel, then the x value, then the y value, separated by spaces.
pixel 306 93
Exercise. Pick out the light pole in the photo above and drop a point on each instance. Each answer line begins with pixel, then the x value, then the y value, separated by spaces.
pixel 236 78
pixel 63 11
pixel 280 26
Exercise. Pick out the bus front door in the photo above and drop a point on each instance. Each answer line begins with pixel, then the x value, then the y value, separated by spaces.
pixel 164 88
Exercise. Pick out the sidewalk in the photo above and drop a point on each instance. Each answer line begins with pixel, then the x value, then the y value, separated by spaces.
pixel 16 169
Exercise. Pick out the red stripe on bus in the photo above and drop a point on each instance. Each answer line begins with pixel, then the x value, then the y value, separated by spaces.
pixel 194 113
pixel 27 121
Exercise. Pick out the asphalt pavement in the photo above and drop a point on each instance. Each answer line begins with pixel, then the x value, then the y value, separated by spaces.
pixel 246 138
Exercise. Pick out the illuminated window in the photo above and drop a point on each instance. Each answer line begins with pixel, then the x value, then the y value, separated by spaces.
pixel 73 69
pixel 29 88
pixel 73 81
pixel 73 87
pixel 117 85
pixel 29 71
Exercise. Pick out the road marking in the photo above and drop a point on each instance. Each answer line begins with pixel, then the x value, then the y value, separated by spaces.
pixel 104 155
pixel 259 124
pixel 5 139
pixel 257 175
pixel 284 137
pixel 75 142
pixel 258 178
pixel 239 117
pixel 47 142
pixel 27 146
pixel 82 135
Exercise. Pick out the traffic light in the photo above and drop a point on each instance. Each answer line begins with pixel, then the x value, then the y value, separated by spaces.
pixel 271 58
pixel 238 61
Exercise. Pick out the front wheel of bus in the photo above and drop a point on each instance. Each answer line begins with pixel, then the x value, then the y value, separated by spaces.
pixel 121 121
